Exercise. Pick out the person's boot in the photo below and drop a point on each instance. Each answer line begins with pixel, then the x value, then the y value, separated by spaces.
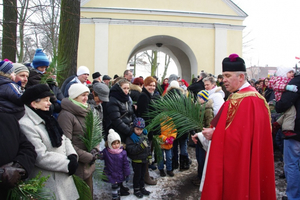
pixel 184 163
pixel 123 187
pixel 115 192
pixel 174 164
pixel 137 193
pixel 147 179
pixel 162 173
pixel 144 191
pixel 170 173
pixel 123 190
pixel 275 127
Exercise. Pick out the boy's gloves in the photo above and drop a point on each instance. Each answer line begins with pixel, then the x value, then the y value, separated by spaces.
pixel 73 164
pixel 145 132
pixel 134 138
pixel 169 140
pixel 292 88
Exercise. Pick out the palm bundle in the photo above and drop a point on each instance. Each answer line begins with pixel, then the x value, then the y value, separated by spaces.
pixel 185 114
pixel 31 189
pixel 93 133
pixel 82 188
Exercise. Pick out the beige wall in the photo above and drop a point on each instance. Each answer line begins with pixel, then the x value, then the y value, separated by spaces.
pixel 207 6
pixel 120 39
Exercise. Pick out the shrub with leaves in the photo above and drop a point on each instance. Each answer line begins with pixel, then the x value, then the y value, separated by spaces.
pixel 31 189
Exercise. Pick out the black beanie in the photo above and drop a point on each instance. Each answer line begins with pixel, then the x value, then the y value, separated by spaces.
pixel 233 63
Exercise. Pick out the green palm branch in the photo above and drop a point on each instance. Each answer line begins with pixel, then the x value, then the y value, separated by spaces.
pixel 185 114
pixel 82 188
pixel 93 134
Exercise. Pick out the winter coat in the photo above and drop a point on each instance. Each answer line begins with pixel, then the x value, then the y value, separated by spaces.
pixel 278 84
pixel 139 152
pixel 120 113
pixel 135 92
pixel 269 94
pixel 10 101
pixel 116 166
pixel 217 95
pixel 289 99
pixel 143 106
pixel 196 87
pixel 34 77
pixel 50 160
pixel 208 113
pixel 14 147
pixel 72 121
pixel 167 132
pixel 55 89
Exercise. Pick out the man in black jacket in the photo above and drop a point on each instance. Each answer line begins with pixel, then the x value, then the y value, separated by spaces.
pixel 292 145
pixel 17 155
pixel 199 85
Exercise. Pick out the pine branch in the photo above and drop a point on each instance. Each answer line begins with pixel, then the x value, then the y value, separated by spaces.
pixel 31 189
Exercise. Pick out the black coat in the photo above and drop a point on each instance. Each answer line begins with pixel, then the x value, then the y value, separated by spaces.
pixel 10 98
pixel 137 151
pixel 144 105
pixel 34 77
pixel 287 100
pixel 119 113
pixel 14 146
pixel 196 87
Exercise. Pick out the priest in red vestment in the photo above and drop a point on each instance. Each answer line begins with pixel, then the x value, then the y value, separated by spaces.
pixel 241 163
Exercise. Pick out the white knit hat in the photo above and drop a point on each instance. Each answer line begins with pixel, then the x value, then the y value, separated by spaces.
pixel 174 84
pixel 77 89
pixel 82 70
pixel 112 136
pixel 282 71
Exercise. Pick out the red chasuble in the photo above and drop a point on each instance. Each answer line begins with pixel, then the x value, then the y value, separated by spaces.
pixel 241 163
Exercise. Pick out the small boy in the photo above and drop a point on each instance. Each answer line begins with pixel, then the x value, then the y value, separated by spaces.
pixel 168 135
pixel 139 151
pixel 279 84
pixel 201 142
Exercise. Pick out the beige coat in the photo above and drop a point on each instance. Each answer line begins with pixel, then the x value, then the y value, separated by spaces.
pixel 72 121
pixel 50 161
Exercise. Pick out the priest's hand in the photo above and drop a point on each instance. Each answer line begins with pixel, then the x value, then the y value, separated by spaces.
pixel 194 138
pixel 208 132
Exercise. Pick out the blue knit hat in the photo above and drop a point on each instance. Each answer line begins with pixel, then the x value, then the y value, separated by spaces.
pixel 139 122
pixel 6 67
pixel 203 94
pixel 39 59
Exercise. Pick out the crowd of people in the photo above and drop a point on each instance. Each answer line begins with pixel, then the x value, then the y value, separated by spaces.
pixel 42 126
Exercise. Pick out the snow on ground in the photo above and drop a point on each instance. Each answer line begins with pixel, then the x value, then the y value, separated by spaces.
pixel 177 187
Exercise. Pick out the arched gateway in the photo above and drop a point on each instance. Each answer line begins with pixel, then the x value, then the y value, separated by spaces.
pixel 197 34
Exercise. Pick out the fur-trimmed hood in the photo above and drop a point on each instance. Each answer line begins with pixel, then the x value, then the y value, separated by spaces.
pixel 135 87
pixel 217 89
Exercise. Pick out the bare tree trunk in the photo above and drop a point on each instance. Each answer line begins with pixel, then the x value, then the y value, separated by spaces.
pixel 167 62
pixel 68 39
pixel 9 38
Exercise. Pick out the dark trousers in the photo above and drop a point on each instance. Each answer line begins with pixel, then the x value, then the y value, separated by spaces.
pixel 139 170
pixel 200 155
